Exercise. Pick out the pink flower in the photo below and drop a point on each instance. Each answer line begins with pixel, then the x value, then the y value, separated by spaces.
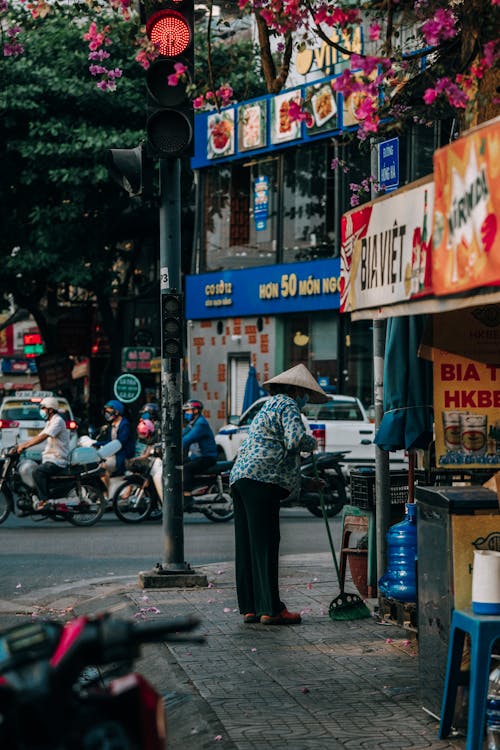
pixel 440 27
pixel 430 96
pixel 172 79
pixel 374 31
pixel 198 103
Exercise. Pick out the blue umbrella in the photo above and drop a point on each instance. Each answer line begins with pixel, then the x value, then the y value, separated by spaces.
pixel 408 413
pixel 253 391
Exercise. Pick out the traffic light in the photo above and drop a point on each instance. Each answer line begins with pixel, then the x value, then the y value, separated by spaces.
pixel 170 26
pixel 172 326
pixel 131 169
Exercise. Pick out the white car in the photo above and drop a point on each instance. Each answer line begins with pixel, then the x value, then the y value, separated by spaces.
pixel 20 419
pixel 343 421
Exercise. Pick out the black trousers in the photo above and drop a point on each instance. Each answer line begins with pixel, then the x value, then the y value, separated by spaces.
pixel 194 467
pixel 257 540
pixel 41 477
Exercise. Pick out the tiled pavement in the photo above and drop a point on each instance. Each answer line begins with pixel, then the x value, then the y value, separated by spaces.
pixel 322 685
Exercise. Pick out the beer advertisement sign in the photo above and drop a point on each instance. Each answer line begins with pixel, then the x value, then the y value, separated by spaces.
pixel 466 238
pixel 467 412
pixel 386 249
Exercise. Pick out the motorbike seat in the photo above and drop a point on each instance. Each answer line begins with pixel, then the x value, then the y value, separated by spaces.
pixel 219 467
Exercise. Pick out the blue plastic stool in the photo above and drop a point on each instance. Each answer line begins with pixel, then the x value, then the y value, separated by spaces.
pixel 483 631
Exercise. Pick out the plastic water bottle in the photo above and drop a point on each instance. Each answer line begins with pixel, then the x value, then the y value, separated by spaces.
pixel 399 581
pixel 493 708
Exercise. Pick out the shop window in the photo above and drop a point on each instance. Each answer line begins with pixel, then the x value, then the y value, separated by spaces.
pixel 313 341
pixel 238 374
pixel 324 348
pixel 235 236
pixel 308 203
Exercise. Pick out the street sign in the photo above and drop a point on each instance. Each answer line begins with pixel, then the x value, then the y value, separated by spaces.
pixel 388 164
pixel 137 358
pixel 127 388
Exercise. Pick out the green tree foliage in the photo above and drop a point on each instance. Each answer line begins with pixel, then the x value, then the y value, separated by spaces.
pixel 61 216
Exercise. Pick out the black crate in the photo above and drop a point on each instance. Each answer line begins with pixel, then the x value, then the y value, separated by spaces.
pixel 363 488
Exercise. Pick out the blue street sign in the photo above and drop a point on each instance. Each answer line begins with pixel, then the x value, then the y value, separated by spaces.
pixel 388 164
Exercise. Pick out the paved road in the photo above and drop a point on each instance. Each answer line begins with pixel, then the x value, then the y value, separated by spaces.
pixel 35 556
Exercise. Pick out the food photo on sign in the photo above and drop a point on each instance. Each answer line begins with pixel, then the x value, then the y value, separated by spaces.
pixel 252 121
pixel 321 104
pixel 283 127
pixel 220 134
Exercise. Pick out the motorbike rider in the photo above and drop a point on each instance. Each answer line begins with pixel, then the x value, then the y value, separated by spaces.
pixel 56 453
pixel 198 444
pixel 117 427
pixel 151 411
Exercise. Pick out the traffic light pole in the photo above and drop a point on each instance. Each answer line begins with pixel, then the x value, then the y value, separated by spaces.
pixel 174 571
pixel 171 384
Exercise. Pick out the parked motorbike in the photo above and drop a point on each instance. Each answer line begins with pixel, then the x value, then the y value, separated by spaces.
pixel 140 496
pixel 53 698
pixel 329 470
pixel 76 496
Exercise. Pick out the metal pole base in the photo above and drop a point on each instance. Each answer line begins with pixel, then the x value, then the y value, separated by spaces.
pixel 177 575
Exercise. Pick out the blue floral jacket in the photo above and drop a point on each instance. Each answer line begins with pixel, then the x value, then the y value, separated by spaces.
pixel 271 451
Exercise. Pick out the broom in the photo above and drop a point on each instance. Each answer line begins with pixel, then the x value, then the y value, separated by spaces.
pixel 345 606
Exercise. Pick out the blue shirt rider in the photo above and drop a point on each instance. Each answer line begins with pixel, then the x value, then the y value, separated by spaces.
pixel 198 444
pixel 117 428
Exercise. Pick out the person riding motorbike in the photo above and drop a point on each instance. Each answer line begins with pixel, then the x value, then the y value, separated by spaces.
pixel 198 444
pixel 151 411
pixel 55 455
pixel 119 428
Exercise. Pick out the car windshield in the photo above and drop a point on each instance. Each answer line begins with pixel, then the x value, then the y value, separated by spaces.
pixel 19 411
pixel 334 410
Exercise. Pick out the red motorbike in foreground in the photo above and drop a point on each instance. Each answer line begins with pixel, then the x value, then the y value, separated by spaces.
pixel 55 695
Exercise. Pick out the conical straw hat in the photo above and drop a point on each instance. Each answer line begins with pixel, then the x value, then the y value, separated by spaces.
pixel 302 378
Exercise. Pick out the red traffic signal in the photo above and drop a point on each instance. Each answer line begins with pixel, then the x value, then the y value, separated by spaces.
pixel 170 111
pixel 170 32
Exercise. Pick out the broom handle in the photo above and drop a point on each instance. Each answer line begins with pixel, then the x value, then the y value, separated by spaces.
pixel 327 524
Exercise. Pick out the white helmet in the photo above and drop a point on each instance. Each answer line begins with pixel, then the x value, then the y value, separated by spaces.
pixel 49 402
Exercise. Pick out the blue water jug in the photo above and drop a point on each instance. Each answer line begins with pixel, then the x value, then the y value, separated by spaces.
pixel 399 581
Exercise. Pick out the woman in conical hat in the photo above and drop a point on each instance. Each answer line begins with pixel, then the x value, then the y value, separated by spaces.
pixel 266 471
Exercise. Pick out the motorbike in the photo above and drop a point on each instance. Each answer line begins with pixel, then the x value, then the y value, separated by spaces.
pixel 71 686
pixel 140 495
pixel 326 466
pixel 76 496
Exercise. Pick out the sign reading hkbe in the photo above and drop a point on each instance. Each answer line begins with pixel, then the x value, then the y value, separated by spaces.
pixel 266 290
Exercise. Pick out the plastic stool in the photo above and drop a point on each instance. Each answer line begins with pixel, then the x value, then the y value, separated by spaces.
pixel 483 631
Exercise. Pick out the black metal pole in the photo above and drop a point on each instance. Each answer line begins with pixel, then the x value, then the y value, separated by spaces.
pixel 382 475
pixel 171 377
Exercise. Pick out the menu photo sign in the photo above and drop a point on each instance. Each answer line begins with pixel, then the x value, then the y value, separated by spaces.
pixel 467 412
pixel 386 249
pixel 466 235
pixel 283 128
pixel 252 125
pixel 220 134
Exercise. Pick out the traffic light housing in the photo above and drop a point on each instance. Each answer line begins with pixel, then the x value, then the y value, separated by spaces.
pixel 170 117
pixel 131 169
pixel 172 325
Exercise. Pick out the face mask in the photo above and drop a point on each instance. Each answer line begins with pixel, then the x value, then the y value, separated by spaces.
pixel 44 414
pixel 188 417
pixel 108 416
pixel 302 400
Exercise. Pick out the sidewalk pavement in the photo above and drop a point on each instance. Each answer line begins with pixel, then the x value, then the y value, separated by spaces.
pixel 321 685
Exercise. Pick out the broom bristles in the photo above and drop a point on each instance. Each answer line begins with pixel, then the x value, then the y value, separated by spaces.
pixel 348 607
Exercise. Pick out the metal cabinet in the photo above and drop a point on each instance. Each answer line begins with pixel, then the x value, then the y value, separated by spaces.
pixel 451 523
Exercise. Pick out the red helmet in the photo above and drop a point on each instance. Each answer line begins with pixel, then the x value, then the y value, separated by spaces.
pixel 145 429
pixel 193 403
